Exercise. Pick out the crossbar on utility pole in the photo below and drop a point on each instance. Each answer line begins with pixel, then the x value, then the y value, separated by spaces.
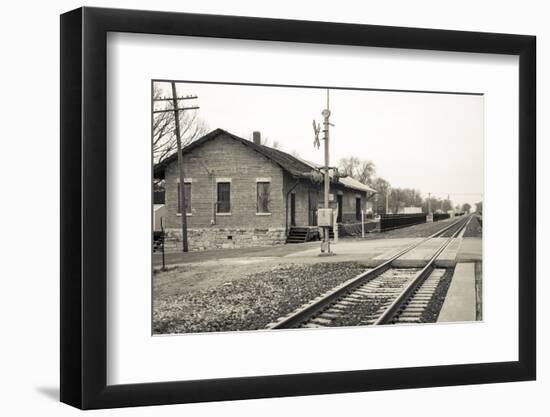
pixel 172 98
pixel 179 109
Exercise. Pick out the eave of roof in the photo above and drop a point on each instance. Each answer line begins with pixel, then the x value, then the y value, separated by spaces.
pixel 348 182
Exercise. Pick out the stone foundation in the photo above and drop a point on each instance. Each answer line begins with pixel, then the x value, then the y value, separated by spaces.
pixel 225 238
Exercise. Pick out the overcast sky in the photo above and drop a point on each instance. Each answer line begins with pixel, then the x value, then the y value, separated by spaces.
pixel 431 142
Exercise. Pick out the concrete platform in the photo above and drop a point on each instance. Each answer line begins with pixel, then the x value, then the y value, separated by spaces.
pixel 395 249
pixel 373 252
pixel 460 302
pixel 448 257
pixel 419 256
pixel 366 251
pixel 470 250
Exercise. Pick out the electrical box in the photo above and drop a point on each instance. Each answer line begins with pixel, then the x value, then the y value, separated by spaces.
pixel 324 217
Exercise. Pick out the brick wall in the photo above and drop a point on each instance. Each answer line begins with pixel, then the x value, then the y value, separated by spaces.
pixel 226 158
pixel 348 202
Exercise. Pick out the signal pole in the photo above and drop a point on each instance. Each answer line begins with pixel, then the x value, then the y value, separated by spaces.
pixel 326 124
pixel 175 108
pixel 328 214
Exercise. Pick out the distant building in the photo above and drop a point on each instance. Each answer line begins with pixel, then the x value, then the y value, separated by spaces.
pixel 240 193
pixel 409 210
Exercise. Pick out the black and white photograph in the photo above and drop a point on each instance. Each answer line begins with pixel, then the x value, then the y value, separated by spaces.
pixel 314 207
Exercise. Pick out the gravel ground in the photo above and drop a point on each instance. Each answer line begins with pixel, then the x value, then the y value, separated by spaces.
pixel 474 229
pixel 246 303
pixel 418 230
pixel 431 313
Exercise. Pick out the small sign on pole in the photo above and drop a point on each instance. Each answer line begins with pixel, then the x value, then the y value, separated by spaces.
pixel 162 243
pixel 324 217
pixel 363 224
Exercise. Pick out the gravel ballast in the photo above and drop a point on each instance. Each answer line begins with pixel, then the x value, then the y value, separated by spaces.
pixel 248 303
pixel 474 228
pixel 418 230
pixel 431 313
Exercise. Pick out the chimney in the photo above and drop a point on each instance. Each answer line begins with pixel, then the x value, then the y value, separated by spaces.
pixel 257 137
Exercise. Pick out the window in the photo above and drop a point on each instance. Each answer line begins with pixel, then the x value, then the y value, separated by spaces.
pixel 224 197
pixel 262 197
pixel 187 196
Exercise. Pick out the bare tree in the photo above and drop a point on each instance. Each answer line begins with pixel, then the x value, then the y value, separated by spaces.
pixel 348 166
pixel 366 172
pixel 164 137
pixel 382 188
pixel 479 207
pixel 447 205
pixel 362 170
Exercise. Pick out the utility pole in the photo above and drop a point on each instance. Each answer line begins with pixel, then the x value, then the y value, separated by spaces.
pixel 388 191
pixel 176 109
pixel 429 203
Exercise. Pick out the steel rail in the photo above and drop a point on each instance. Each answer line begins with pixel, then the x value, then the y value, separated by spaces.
pixel 400 301
pixel 321 303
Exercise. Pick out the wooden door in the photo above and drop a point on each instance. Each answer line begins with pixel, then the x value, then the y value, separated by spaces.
pixel 293 209
pixel 312 208
pixel 340 208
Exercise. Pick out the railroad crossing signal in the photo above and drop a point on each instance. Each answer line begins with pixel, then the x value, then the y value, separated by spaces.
pixel 316 129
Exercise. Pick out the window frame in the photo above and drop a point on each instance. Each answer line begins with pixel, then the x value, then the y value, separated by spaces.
pixel 259 210
pixel 228 183
pixel 188 197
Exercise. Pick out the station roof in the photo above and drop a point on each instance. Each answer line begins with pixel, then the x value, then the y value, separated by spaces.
pixel 351 182
pixel 347 181
pixel 293 165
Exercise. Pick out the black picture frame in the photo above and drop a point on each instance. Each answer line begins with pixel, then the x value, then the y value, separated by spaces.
pixel 84 207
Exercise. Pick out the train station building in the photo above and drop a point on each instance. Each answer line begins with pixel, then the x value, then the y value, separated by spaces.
pixel 240 193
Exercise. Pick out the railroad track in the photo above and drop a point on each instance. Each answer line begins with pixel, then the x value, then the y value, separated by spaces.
pixel 382 295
